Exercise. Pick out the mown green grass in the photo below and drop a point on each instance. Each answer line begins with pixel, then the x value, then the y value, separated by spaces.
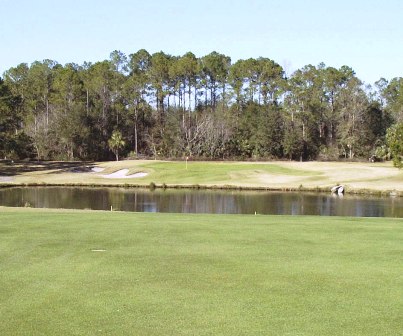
pixel 357 177
pixel 159 172
pixel 215 172
pixel 169 274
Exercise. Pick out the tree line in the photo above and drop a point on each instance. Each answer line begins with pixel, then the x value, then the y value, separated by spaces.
pixel 163 106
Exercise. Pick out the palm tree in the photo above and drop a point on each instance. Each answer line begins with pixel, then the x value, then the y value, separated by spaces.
pixel 116 142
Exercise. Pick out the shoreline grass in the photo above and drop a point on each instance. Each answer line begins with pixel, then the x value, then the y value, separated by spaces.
pixel 153 186
pixel 79 272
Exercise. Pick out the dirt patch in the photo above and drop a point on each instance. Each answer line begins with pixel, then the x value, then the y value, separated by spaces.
pixel 355 175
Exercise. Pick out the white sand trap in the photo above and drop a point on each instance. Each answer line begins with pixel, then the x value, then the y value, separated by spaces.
pixel 6 178
pixel 97 169
pixel 122 174
pixel 98 250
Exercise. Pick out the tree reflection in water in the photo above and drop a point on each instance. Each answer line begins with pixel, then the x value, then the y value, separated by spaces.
pixel 203 201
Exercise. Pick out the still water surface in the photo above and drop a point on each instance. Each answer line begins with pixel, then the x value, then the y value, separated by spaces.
pixel 203 201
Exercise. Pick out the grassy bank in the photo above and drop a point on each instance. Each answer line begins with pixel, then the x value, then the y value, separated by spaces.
pixel 108 273
pixel 310 176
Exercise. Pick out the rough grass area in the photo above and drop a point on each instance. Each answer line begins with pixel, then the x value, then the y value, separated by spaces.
pixel 113 273
pixel 356 177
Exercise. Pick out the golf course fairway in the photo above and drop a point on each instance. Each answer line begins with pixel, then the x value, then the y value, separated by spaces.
pixel 69 272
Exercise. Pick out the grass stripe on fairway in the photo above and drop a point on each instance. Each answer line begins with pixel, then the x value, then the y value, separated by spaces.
pixel 111 273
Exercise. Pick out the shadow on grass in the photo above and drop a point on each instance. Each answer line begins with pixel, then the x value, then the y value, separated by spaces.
pixel 13 168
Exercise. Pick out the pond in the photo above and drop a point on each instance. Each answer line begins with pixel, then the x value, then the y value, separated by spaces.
pixel 203 201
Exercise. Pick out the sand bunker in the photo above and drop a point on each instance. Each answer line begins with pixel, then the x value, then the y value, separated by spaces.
pixel 6 178
pixel 97 169
pixel 85 169
pixel 122 174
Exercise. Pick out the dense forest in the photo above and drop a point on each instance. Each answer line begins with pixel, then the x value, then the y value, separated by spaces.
pixel 165 106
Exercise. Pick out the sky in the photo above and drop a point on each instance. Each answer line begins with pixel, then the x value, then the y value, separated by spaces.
pixel 366 35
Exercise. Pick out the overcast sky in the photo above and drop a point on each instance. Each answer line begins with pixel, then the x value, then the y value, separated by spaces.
pixel 366 35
